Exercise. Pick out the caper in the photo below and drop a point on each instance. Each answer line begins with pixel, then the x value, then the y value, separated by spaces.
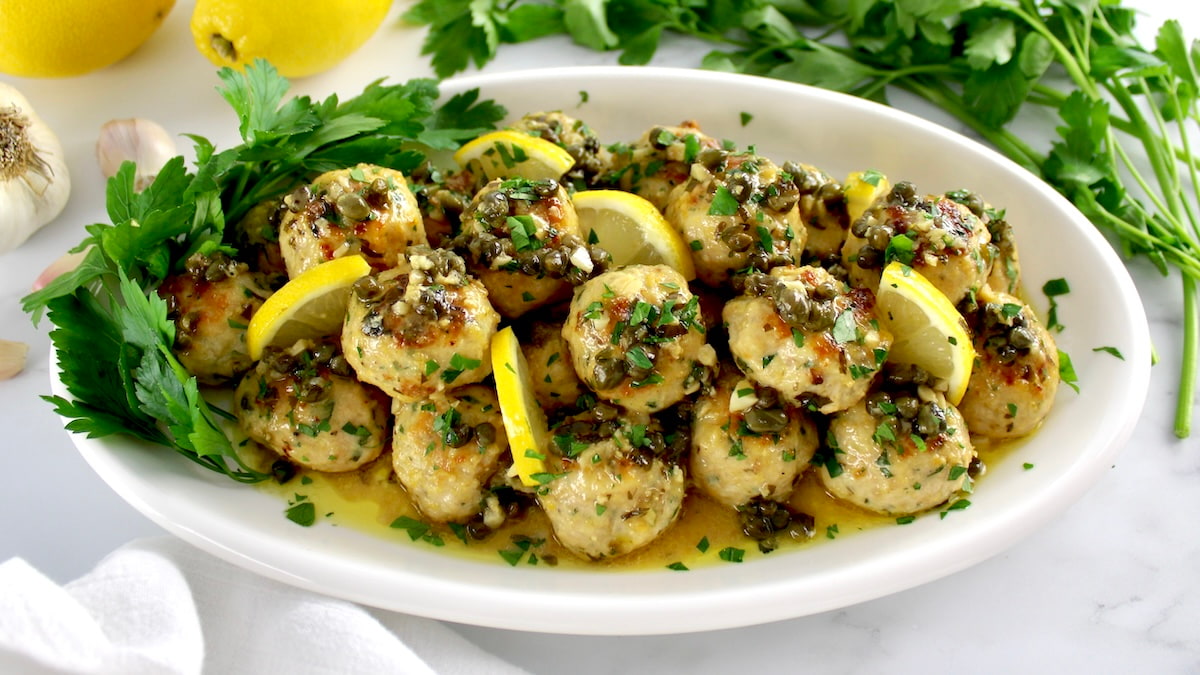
pixel 555 262
pixel 742 185
pixel 458 435
pixel 821 317
pixel 756 283
pixel 908 407
pixel 792 304
pixel 608 372
pixel 298 199
pixel 869 257
pixel 784 196
pixel 492 207
pixel 368 288
pixel 930 421
pixel 904 193
pixel 1021 338
pixel 880 236
pixel 353 206
pixel 807 182
pixel 766 420
pixel 826 290
pixel 859 227
pixel 830 192
pixel 877 402
pixel 767 397
pixel 605 412
pixel 710 158
pixel 545 188
pixel 737 240
pixel 379 186
pixel 338 365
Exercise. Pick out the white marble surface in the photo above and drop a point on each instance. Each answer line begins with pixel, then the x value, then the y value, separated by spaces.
pixel 1113 585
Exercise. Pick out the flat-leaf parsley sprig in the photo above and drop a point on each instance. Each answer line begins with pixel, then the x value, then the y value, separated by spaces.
pixel 111 333
pixel 983 61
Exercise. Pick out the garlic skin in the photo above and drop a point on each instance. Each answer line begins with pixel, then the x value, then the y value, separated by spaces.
pixel 34 181
pixel 141 141
pixel 12 358
pixel 67 262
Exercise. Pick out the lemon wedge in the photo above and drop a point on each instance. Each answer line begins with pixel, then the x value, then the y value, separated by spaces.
pixel 861 189
pixel 524 420
pixel 632 230
pixel 513 154
pixel 312 305
pixel 929 332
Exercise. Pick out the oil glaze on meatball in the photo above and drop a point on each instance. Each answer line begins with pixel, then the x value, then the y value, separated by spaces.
pixel 801 332
pixel 211 304
pixel 422 327
pixel 636 337
pixel 305 404
pixel 366 210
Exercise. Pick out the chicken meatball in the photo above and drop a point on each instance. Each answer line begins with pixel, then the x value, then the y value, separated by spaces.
pixel 746 443
pixel 1005 266
pixel 822 208
pixel 573 135
pixel 738 211
pixel 801 332
pixel 367 210
pixel 898 452
pixel 305 404
pixel 445 451
pixel 659 161
pixel 636 337
pixel 442 196
pixel 611 492
pixel 937 236
pixel 522 239
pixel 211 303
pixel 421 327
pixel 1016 376
pixel 555 383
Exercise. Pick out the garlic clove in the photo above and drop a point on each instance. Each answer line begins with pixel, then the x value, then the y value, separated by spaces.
pixel 141 141
pixel 65 263
pixel 12 358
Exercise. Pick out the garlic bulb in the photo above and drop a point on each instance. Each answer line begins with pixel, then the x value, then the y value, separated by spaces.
pixel 34 182
pixel 143 142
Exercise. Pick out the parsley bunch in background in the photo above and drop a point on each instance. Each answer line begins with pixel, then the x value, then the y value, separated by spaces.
pixel 112 336
pixel 982 61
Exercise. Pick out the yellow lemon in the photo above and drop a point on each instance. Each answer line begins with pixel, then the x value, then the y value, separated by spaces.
pixel 632 230
pixel 524 420
pixel 312 305
pixel 513 154
pixel 60 38
pixel 929 332
pixel 298 37
pixel 861 189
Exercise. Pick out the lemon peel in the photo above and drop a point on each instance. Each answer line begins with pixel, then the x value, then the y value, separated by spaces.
pixel 928 331
pixel 513 154
pixel 299 38
pixel 861 189
pixel 632 230
pixel 524 420
pixel 312 305
pixel 63 38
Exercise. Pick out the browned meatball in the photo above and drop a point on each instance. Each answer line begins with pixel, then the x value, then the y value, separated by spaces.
pixel 420 328
pixel 659 161
pixel 935 235
pixel 367 210
pixel 738 211
pixel 305 404
pixel 522 239
pixel 1016 375
pixel 801 332
pixel 898 453
pixel 211 304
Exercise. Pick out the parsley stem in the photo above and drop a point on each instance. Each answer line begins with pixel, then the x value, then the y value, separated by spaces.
pixel 1188 369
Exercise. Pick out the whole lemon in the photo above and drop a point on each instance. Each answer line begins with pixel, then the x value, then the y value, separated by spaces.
pixel 60 38
pixel 298 37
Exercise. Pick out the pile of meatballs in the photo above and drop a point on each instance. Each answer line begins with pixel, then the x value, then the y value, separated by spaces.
pixel 770 364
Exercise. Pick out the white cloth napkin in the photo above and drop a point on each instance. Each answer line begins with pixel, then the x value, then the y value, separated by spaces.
pixel 161 606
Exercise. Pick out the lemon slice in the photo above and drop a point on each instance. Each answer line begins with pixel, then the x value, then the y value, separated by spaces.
pixel 312 305
pixel 929 332
pixel 861 189
pixel 524 420
pixel 632 230
pixel 512 154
